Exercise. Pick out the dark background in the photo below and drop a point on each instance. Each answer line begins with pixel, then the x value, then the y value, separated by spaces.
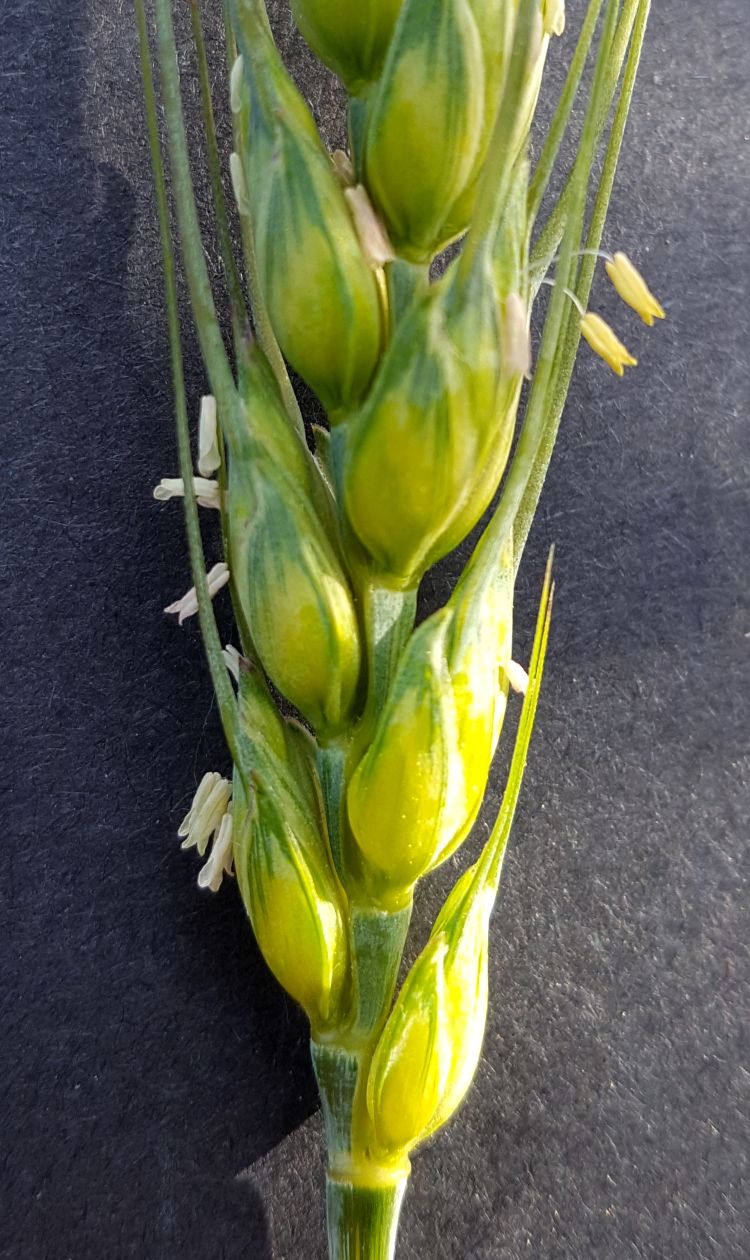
pixel 149 1057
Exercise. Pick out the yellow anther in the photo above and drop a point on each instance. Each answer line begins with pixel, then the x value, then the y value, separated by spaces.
pixel 553 17
pixel 633 289
pixel 602 340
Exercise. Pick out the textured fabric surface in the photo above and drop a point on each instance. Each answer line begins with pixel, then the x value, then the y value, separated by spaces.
pixel 157 1100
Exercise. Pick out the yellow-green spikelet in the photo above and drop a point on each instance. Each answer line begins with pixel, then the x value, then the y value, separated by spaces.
pixel 294 902
pixel 425 122
pixel 425 451
pixel 350 36
pixel 402 788
pixel 322 296
pixel 428 1051
pixel 301 611
pixel 495 21
pixel 288 574
pixel 478 647
pixel 417 790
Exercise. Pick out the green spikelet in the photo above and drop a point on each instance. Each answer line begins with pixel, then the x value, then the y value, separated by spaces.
pixel 424 126
pixel 305 239
pixel 288 574
pixel 350 36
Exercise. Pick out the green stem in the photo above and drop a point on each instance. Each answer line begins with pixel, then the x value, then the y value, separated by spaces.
pixel 362 1220
pixel 566 362
pixel 229 39
pixel 364 1194
pixel 212 644
pixel 532 432
pixel 336 1071
pixel 358 1182
pixel 204 312
pixel 551 234
pixel 406 282
pixel 358 110
pixel 331 772
pixel 236 296
pixel 389 620
pixel 199 285
pixel 548 156
pixel 611 159
pixel 378 938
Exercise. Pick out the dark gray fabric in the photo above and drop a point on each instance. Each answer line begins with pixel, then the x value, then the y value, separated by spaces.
pixel 149 1057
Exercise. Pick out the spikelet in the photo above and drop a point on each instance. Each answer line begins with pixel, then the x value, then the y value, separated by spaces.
pixel 430 1046
pixel 289 577
pixel 292 897
pixel 424 123
pixel 305 238
pixel 416 792
pixel 428 1051
pixel 350 36
pixel 334 812
pixel 425 453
